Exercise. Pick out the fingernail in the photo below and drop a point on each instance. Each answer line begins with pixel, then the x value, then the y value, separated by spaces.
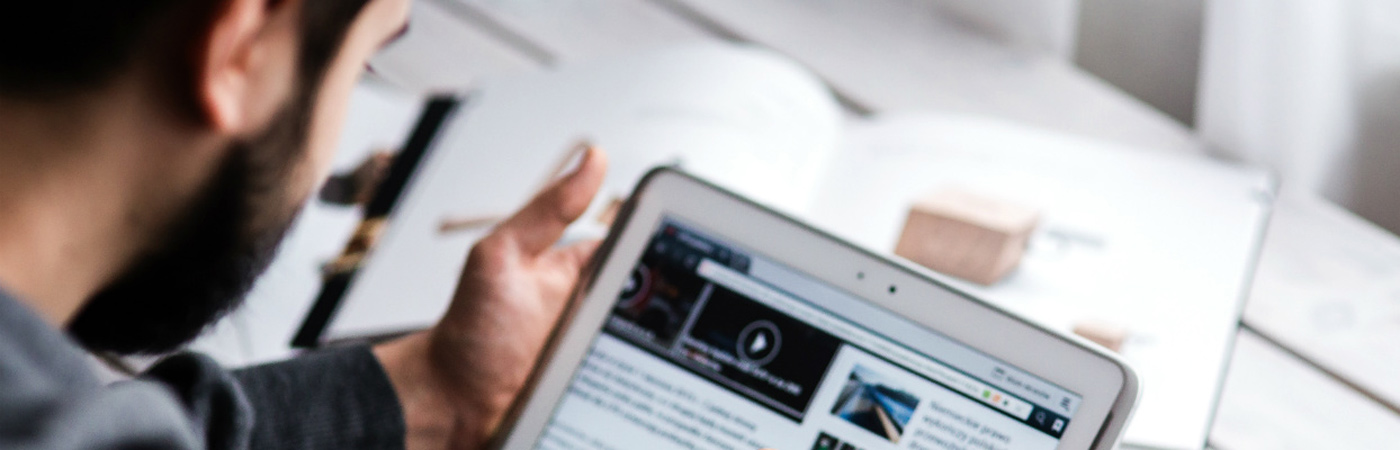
pixel 587 150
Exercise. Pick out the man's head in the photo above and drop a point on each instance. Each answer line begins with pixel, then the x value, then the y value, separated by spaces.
pixel 256 88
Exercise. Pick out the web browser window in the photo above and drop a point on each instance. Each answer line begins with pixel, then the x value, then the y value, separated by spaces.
pixel 713 347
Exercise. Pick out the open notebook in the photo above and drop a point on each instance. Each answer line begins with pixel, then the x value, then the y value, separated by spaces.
pixel 1161 244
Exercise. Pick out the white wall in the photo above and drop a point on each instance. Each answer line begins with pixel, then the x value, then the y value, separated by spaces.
pixel 1310 88
pixel 1150 48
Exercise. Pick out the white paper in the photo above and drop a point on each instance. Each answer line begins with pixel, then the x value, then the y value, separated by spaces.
pixel 744 118
pixel 1160 244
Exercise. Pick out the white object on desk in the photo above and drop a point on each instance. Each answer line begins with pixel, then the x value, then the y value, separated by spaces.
pixel 740 116
pixel 1162 244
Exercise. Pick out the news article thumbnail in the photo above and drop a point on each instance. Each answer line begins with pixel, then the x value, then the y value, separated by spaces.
pixel 661 292
pixel 871 402
pixel 768 353
pixel 666 307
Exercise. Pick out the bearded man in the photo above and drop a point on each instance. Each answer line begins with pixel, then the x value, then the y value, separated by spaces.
pixel 152 155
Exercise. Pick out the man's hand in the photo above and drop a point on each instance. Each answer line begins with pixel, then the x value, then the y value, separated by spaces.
pixel 456 380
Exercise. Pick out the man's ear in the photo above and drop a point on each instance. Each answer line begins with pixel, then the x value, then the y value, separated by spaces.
pixel 246 65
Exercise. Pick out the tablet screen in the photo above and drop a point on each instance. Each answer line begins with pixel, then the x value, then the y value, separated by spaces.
pixel 710 346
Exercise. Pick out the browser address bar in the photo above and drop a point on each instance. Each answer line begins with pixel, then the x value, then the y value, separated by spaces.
pixel 738 282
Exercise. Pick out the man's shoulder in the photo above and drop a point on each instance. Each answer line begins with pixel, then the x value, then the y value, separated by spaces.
pixel 34 354
pixel 51 398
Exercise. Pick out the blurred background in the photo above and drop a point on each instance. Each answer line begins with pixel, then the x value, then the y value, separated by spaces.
pixel 1308 90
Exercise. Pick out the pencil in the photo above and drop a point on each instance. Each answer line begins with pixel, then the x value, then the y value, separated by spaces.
pixel 454 224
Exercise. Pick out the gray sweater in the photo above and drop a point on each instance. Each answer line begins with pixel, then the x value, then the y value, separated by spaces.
pixel 50 399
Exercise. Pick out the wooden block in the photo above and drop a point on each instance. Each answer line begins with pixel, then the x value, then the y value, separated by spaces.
pixel 969 236
pixel 1109 335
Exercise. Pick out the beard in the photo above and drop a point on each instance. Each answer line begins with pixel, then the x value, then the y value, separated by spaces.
pixel 206 261
pixel 209 256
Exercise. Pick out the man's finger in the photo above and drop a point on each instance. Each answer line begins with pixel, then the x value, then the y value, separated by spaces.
pixel 537 226
pixel 577 254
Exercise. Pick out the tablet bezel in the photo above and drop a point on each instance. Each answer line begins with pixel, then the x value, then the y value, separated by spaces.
pixel 1108 387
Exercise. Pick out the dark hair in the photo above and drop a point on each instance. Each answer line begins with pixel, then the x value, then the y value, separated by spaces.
pixel 54 48
pixel 209 257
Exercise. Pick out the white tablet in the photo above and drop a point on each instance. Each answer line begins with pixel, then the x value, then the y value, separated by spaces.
pixel 710 322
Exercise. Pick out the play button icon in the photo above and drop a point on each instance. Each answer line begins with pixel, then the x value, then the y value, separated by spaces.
pixel 759 342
